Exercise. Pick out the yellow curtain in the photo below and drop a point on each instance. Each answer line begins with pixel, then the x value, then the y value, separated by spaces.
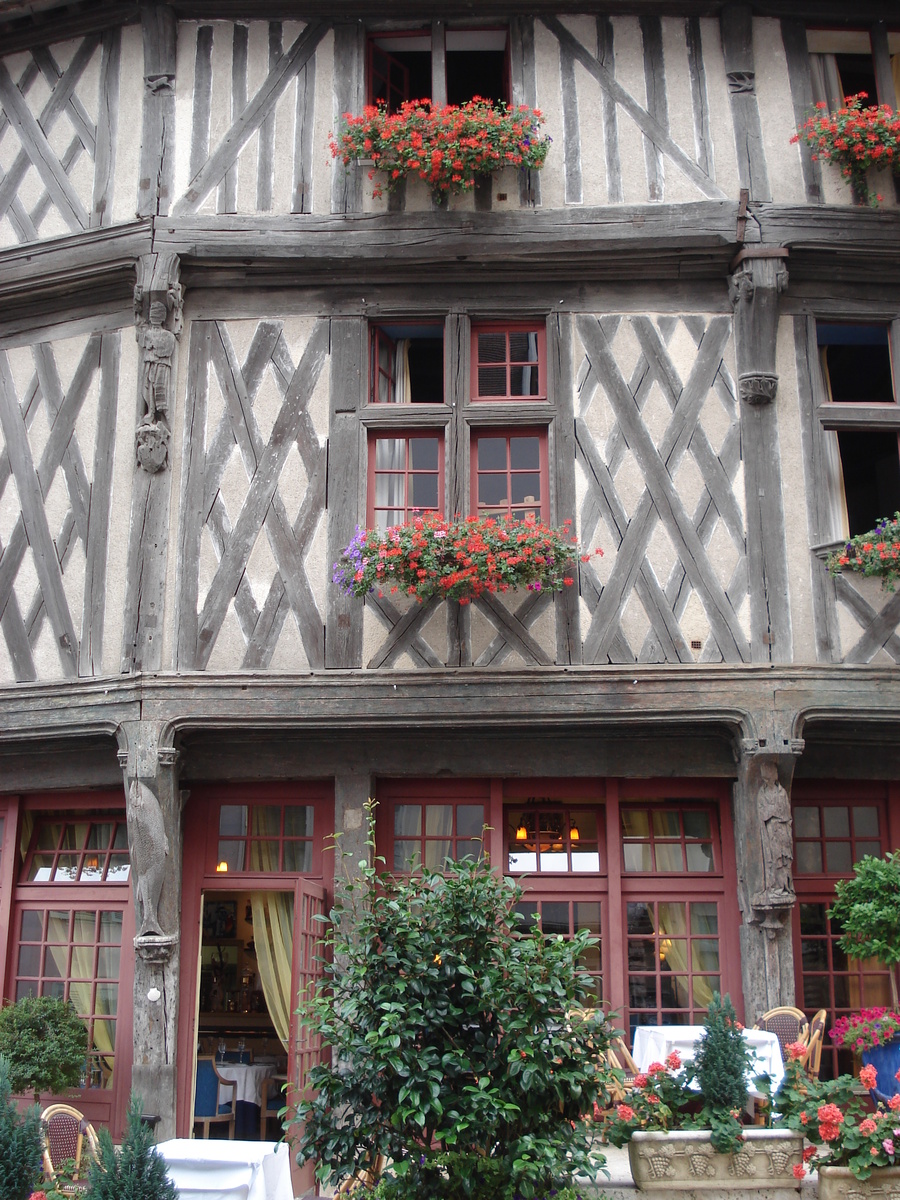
pixel 82 966
pixel 273 935
pixel 673 942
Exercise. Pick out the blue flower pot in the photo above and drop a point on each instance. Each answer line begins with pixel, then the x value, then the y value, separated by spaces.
pixel 886 1061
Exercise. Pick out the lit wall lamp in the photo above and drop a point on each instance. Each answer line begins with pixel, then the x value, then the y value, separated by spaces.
pixel 574 834
pixel 222 867
pixel 522 833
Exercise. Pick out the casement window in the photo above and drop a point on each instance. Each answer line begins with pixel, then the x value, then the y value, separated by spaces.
pixel 834 828
pixel 488 453
pixel 269 838
pixel 844 63
pixel 861 420
pixel 446 65
pixel 427 823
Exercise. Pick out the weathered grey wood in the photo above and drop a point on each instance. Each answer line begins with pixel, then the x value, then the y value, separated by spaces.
pixel 879 627
pixel 75 110
pixel 457 341
pixel 438 63
pixel 835 415
pixel 796 50
pixel 218 527
pixel 192 497
pixel 226 201
pixel 560 384
pixel 17 644
pixel 349 77
pixel 524 91
pixel 265 97
pixel 259 500
pixel 645 122
pixel 526 613
pixel 657 465
pixel 34 520
pixel 91 651
pixel 607 59
pixel 657 102
pixel 201 99
pixel 884 76
pixel 343 630
pixel 512 629
pixel 483 193
pixel 265 162
pixel 158 25
pixel 825 620
pixel 304 125
pixel 571 127
pixel 38 151
pixel 703 142
pixel 736 21
pixel 404 636
pixel 107 129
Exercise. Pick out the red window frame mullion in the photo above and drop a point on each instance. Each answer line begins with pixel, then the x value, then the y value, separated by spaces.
pixel 506 328
pixel 405 435
pixel 507 432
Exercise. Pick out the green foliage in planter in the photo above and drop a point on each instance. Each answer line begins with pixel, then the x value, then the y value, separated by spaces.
pixel 720 1065
pixel 876 552
pixel 458 1050
pixel 135 1171
pixel 46 1044
pixel 867 908
pixel 20 1143
pixel 855 138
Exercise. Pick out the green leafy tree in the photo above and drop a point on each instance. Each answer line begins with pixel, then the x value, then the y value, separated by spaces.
pixel 867 909
pixel 136 1171
pixel 460 1049
pixel 45 1043
pixel 20 1143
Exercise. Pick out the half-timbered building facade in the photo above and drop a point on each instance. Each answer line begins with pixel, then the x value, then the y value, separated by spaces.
pixel 219 354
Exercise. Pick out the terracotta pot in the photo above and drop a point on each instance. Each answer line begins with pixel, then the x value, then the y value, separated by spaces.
pixel 839 1183
pixel 684 1160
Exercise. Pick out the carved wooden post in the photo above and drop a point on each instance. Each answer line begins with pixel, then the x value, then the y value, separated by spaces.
pixel 759 276
pixel 158 134
pixel 153 807
pixel 157 313
pixel 764 846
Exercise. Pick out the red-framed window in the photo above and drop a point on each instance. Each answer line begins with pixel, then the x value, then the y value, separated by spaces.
pixel 510 473
pixel 406 363
pixel 563 916
pixel 93 849
pixel 674 960
pixel 834 826
pixel 408 65
pixel 269 838
pixel 559 839
pixel 406 475
pixel 669 840
pixel 509 362
pixel 424 824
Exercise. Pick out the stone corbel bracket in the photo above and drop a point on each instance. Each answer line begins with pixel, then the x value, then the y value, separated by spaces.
pixel 758 277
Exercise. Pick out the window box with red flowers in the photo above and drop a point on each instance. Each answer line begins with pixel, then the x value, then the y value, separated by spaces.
pixel 457 560
pixel 856 139
pixel 447 146
pixel 876 552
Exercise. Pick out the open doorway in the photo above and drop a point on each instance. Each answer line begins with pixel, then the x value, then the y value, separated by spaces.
pixel 244 1009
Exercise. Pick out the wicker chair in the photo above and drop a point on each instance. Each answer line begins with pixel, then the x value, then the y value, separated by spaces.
pixel 812 1059
pixel 619 1058
pixel 788 1024
pixel 66 1134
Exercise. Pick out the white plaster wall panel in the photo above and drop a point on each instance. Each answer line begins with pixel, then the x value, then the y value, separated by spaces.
pixel 720 123
pixel 72 134
pixel 630 74
pixel 793 482
pixel 253 583
pixel 185 50
pixel 58 495
pixel 549 101
pixel 776 112
pixel 128 144
pixel 680 107
pixel 593 156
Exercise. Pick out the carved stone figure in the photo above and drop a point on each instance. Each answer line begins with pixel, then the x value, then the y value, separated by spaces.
pixel 148 846
pixel 151 444
pixel 158 346
pixel 774 810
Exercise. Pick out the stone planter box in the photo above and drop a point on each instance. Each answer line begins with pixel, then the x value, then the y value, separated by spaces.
pixel 684 1160
pixel 839 1183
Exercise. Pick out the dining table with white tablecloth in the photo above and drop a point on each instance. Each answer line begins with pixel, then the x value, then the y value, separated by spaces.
pixel 248 1078
pixel 217 1169
pixel 653 1043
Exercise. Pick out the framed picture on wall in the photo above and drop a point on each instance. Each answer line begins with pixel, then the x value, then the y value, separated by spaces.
pixel 219 919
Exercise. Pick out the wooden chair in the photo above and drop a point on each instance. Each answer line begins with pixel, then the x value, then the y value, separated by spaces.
pixel 619 1057
pixel 66 1133
pixel 788 1024
pixel 207 1110
pixel 812 1059
pixel 271 1104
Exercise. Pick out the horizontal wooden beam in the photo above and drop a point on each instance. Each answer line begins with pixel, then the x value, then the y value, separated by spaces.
pixel 859 416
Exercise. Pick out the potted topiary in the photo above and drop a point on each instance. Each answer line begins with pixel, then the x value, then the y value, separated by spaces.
pixel 683 1124
pixel 45 1043
pixel 136 1169
pixel 866 908
pixel 461 1050
pixel 20 1143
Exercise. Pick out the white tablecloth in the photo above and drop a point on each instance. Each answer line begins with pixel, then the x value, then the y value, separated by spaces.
pixel 249 1079
pixel 652 1043
pixel 223 1170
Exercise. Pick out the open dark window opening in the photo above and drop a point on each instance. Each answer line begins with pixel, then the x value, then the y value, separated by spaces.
pixel 412 65
pixel 407 364
pixel 857 367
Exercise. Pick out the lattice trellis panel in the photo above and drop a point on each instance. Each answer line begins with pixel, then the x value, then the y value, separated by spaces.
pixel 251 562
pixel 57 427
pixel 658 447
pixel 58 138
pixel 248 117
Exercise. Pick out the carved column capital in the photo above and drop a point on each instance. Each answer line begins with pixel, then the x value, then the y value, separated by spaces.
pixel 158 309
